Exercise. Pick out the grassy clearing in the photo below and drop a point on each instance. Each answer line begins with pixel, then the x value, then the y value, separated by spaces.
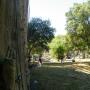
pixel 55 76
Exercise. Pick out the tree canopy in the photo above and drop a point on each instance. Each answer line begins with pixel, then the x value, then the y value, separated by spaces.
pixel 40 33
pixel 78 25
pixel 57 47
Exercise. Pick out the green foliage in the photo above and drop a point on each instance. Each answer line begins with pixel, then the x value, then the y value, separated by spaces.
pixel 68 43
pixel 57 47
pixel 78 25
pixel 40 33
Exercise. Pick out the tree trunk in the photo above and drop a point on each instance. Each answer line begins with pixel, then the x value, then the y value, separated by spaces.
pixel 13 38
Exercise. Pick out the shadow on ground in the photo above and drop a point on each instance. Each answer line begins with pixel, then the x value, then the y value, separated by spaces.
pixel 55 76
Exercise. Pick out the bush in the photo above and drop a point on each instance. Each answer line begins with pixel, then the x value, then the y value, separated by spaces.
pixel 73 60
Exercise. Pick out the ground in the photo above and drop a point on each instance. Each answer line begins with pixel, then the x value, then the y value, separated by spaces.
pixel 56 76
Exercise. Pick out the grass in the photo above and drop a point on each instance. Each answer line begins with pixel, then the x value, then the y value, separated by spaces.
pixel 55 76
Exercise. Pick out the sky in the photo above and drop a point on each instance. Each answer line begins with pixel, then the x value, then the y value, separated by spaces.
pixel 54 10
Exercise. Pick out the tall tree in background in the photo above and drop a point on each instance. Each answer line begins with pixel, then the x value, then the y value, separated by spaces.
pixel 78 25
pixel 40 33
pixel 58 47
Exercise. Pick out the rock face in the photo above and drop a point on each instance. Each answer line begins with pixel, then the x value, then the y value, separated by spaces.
pixel 13 38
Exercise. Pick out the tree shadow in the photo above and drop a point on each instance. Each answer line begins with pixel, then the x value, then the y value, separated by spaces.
pixel 59 78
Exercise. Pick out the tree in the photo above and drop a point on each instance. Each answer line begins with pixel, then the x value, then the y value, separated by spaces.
pixel 13 38
pixel 57 47
pixel 78 25
pixel 40 33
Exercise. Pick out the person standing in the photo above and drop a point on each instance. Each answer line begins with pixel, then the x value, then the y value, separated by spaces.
pixel 40 59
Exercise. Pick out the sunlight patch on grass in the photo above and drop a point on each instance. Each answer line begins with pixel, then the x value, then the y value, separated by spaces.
pixel 85 68
pixel 61 77
pixel 58 66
